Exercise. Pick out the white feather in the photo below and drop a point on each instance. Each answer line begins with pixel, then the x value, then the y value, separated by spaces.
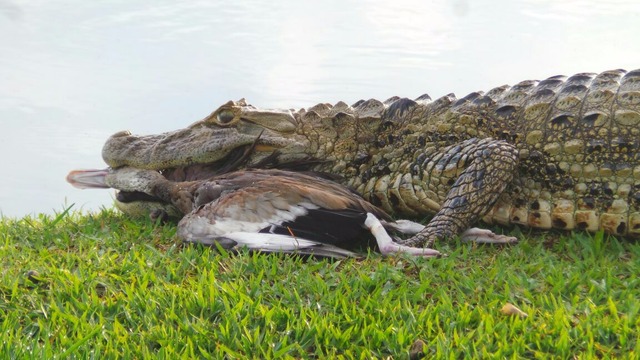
pixel 270 242
pixel 194 226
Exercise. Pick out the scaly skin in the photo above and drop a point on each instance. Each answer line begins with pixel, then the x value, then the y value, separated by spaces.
pixel 561 153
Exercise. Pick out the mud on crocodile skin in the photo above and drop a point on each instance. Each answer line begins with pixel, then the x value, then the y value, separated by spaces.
pixel 560 153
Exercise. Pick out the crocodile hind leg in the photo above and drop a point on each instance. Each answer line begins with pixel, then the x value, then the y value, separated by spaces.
pixel 488 166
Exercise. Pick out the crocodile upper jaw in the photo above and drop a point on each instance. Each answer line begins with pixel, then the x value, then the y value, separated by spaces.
pixel 233 126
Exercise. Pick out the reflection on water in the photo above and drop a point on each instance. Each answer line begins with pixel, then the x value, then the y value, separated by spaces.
pixel 73 72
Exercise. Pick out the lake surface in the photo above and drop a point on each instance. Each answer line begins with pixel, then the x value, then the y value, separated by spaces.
pixel 74 72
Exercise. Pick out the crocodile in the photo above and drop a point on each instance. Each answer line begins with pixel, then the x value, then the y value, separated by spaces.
pixel 561 153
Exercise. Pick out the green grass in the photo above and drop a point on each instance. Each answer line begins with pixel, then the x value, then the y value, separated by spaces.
pixel 104 286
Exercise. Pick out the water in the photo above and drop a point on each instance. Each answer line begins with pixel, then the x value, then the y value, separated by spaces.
pixel 74 72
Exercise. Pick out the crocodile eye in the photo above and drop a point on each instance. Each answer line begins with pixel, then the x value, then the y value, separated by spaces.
pixel 225 117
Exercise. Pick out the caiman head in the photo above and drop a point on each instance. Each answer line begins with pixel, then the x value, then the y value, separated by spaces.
pixel 233 136
pixel 236 135
pixel 334 139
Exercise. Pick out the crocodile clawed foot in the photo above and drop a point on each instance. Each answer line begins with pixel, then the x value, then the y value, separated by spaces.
pixel 486 236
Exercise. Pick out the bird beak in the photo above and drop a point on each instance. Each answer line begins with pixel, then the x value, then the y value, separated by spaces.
pixel 88 179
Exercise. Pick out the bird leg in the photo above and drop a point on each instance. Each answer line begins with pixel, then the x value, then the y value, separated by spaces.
pixel 406 227
pixel 387 246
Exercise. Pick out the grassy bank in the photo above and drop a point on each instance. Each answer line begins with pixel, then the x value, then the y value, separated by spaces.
pixel 104 286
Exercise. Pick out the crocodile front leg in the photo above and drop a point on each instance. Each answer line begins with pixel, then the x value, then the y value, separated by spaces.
pixel 488 166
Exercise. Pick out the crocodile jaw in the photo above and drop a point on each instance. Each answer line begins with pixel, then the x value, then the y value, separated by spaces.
pixel 232 126
pixel 235 135
pixel 173 149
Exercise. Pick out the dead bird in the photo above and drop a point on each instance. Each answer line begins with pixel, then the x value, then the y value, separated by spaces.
pixel 264 210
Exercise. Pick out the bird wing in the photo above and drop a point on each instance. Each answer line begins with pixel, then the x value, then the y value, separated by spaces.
pixel 293 205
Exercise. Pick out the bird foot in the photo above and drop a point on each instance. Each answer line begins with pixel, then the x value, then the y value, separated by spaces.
pixel 387 246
